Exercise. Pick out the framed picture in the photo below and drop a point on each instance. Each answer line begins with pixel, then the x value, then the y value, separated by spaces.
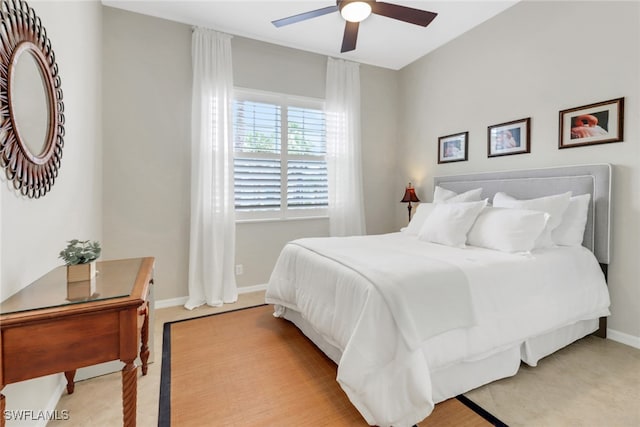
pixel 599 123
pixel 453 148
pixel 509 138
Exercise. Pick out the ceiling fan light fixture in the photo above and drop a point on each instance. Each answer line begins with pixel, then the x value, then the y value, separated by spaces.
pixel 355 11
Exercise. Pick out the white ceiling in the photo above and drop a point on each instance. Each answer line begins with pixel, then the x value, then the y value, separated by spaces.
pixel 382 41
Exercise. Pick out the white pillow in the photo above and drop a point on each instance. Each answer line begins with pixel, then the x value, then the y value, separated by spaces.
pixel 554 205
pixel 507 230
pixel 449 223
pixel 421 213
pixel 442 195
pixel 570 232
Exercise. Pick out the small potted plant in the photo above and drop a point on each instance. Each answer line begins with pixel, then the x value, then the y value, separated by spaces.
pixel 80 257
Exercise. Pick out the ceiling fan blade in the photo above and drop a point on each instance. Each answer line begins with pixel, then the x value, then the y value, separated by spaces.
pixel 350 36
pixel 403 13
pixel 304 16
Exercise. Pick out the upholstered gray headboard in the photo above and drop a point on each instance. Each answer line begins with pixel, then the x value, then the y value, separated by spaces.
pixel 531 183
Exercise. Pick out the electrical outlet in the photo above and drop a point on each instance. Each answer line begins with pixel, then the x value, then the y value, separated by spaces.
pixel 239 269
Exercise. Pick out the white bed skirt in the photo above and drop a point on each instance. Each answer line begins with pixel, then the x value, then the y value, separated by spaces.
pixel 468 375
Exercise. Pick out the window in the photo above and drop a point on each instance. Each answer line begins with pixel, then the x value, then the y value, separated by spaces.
pixel 276 176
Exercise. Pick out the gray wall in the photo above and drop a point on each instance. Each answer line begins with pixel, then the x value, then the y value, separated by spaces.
pixel 146 120
pixel 34 231
pixel 147 144
pixel 133 192
pixel 533 60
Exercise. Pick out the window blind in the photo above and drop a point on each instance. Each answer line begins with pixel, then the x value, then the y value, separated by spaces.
pixel 307 134
pixel 270 176
pixel 306 184
pixel 257 184
pixel 256 127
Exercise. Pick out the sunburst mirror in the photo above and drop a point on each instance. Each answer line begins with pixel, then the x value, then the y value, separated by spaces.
pixel 31 108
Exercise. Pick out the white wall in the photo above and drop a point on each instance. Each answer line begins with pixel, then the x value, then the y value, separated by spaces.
pixel 147 90
pixel 34 231
pixel 533 60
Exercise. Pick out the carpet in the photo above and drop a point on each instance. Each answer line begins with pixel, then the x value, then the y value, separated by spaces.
pixel 246 368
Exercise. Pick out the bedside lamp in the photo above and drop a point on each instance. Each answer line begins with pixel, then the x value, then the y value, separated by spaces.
pixel 409 196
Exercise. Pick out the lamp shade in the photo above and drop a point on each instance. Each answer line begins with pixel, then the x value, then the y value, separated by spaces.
pixel 410 195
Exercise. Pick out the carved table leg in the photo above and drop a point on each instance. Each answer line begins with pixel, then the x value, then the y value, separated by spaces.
pixel 71 385
pixel 144 341
pixel 2 408
pixel 129 393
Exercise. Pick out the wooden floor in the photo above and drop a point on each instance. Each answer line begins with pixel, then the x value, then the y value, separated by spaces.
pixel 248 368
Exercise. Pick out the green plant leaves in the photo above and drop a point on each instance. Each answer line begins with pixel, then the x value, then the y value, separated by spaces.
pixel 80 252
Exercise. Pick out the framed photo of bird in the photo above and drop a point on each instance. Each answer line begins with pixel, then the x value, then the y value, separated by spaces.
pixel 598 123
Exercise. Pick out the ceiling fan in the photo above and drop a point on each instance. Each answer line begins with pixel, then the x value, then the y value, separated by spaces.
pixel 355 11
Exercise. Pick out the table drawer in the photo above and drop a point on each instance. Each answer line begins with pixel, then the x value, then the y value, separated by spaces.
pixel 67 344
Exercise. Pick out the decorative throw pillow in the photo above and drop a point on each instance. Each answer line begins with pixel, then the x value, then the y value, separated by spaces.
pixel 442 195
pixel 420 215
pixel 570 232
pixel 507 230
pixel 554 205
pixel 449 223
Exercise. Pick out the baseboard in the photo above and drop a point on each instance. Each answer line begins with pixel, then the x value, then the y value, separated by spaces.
pixel 49 410
pixel 623 338
pixel 174 302
pixel 254 288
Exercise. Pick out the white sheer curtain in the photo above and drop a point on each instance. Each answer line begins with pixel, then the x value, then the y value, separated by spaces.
pixel 342 105
pixel 212 237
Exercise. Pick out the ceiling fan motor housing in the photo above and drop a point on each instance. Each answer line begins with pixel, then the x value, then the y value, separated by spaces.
pixel 355 10
pixel 343 3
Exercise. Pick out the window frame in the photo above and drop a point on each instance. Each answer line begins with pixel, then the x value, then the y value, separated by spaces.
pixel 283 101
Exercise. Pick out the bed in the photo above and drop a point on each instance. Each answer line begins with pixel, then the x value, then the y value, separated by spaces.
pixel 411 323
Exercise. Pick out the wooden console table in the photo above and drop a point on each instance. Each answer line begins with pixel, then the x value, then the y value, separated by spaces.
pixel 52 326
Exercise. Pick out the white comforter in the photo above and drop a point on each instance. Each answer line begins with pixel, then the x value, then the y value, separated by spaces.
pixel 390 303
